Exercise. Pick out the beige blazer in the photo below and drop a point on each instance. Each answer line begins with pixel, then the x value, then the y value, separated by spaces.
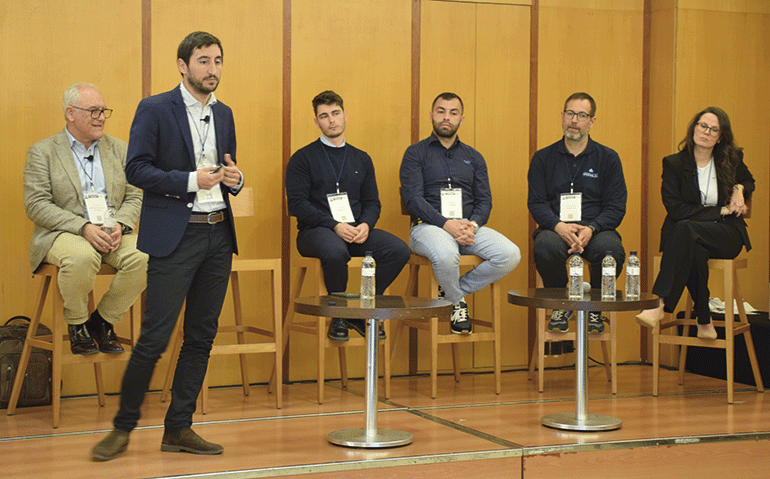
pixel 53 196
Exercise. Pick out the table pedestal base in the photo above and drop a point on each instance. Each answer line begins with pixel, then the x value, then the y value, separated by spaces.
pixel 592 422
pixel 380 439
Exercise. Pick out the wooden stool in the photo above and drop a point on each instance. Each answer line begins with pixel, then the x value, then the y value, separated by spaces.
pixel 318 326
pixel 543 335
pixel 431 325
pixel 241 205
pixel 56 341
pixel 732 329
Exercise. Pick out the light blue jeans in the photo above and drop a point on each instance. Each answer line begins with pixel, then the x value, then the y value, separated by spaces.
pixel 500 256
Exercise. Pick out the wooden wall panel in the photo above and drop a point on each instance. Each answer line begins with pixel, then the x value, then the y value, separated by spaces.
pixel 251 36
pixel 596 47
pixel 362 51
pixel 56 45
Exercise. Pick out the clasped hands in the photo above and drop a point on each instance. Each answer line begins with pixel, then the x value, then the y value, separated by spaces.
pixel 102 241
pixel 352 234
pixel 737 205
pixel 229 174
pixel 463 231
pixel 575 235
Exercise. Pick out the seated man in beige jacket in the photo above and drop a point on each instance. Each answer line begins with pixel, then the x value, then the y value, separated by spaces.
pixel 73 183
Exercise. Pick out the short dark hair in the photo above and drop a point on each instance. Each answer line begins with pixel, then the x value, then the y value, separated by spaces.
pixel 327 97
pixel 582 96
pixel 448 96
pixel 196 40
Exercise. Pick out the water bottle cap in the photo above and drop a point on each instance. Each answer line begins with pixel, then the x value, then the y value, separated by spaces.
pixel 633 253
pixel 575 253
pixel 608 253
pixel 368 253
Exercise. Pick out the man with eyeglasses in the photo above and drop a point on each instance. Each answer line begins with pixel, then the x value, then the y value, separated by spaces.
pixel 73 182
pixel 577 196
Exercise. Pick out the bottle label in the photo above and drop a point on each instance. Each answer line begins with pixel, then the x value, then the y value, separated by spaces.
pixel 632 271
pixel 576 270
pixel 608 271
pixel 367 272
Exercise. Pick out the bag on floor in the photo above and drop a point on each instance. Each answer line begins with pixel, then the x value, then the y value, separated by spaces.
pixel 36 389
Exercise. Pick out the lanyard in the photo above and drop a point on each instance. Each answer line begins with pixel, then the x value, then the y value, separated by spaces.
pixel 572 181
pixel 203 137
pixel 344 157
pixel 705 195
pixel 90 159
pixel 447 167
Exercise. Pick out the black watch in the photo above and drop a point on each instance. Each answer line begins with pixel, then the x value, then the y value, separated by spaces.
pixel 593 229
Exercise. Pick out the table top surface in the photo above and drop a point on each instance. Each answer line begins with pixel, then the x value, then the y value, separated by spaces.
pixel 386 307
pixel 556 298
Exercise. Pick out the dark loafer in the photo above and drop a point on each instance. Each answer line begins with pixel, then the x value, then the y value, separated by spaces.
pixel 359 326
pixel 112 445
pixel 80 340
pixel 102 332
pixel 187 441
pixel 338 330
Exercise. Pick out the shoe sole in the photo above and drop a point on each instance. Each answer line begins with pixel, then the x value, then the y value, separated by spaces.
pixel 470 331
pixel 173 448
pixel 338 340
pixel 103 457
pixel 557 330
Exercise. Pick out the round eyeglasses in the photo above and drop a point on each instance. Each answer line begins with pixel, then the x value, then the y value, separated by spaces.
pixel 582 116
pixel 709 130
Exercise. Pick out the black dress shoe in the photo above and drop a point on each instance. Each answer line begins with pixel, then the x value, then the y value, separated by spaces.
pixel 338 330
pixel 102 332
pixel 359 326
pixel 80 340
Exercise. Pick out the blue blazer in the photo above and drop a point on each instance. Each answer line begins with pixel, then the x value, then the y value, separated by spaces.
pixel 160 158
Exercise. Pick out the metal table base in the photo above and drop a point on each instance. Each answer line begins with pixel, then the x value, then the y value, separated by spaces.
pixel 370 437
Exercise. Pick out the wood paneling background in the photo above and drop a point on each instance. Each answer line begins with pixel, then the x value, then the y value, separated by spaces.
pixel 702 52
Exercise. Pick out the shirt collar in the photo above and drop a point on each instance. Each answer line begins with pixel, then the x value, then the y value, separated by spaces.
pixel 190 100
pixel 562 148
pixel 74 143
pixel 328 143
pixel 434 138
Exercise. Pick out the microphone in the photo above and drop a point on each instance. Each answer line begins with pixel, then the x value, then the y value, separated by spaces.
pixel 206 119
pixel 449 154
pixel 90 157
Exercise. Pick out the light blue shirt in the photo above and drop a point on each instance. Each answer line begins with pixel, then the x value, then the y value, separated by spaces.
pixel 91 172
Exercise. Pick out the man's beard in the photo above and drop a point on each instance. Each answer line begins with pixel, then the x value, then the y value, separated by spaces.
pixel 201 88
pixel 444 134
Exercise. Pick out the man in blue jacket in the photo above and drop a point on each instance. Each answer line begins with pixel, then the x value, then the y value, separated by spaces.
pixel 577 196
pixel 332 190
pixel 181 152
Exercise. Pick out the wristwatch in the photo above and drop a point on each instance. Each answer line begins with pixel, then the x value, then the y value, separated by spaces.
pixel 475 226
pixel 593 229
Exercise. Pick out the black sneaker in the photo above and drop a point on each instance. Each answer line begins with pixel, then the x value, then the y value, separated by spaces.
pixel 595 322
pixel 461 323
pixel 559 320
pixel 359 326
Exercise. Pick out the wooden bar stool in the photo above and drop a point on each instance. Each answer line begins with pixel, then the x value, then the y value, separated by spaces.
pixel 318 326
pixel 732 327
pixel 241 205
pixel 543 336
pixel 57 341
pixel 432 324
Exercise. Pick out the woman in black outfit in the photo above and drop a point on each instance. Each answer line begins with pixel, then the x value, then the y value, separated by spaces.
pixel 704 190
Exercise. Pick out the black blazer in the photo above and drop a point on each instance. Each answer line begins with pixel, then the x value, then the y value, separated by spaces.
pixel 682 198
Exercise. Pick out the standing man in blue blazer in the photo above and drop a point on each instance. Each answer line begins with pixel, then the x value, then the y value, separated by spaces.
pixel 181 152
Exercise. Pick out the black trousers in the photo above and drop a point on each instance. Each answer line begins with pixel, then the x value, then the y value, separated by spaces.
pixel 389 251
pixel 197 271
pixel 685 262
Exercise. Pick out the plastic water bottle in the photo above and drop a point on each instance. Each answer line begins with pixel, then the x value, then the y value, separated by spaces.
pixel 608 277
pixel 109 220
pixel 633 269
pixel 575 269
pixel 367 281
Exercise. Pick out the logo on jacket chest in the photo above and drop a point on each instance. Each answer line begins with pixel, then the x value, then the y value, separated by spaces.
pixel 591 173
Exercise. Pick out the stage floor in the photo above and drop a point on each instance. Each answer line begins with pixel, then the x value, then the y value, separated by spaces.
pixel 468 431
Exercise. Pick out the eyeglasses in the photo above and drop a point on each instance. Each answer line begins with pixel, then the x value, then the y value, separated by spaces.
pixel 96 112
pixel 710 130
pixel 582 116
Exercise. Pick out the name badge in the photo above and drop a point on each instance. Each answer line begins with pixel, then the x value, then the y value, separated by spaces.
pixel 452 203
pixel 571 207
pixel 340 207
pixel 96 208
pixel 214 195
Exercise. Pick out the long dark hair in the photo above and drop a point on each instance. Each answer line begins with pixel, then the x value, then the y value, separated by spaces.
pixel 726 152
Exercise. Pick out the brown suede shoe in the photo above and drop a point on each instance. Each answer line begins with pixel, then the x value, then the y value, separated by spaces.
pixel 112 445
pixel 187 441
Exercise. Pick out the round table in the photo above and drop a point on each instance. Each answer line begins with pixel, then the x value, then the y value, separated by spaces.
pixel 385 307
pixel 557 298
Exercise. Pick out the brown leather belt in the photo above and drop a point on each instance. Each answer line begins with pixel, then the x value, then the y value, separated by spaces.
pixel 209 218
